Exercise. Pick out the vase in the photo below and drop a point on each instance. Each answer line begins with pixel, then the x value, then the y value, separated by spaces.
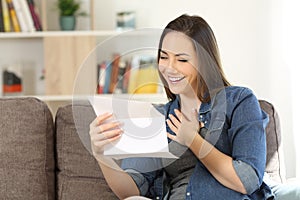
pixel 67 23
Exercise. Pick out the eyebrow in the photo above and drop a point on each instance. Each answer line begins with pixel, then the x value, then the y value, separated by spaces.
pixel 179 54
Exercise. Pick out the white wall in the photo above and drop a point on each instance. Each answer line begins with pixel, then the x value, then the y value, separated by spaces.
pixel 250 40
pixel 291 43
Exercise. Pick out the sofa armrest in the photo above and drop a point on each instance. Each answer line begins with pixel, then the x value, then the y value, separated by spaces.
pixel 275 166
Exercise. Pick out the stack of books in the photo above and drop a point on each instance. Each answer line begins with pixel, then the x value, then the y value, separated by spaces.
pixel 132 75
pixel 19 16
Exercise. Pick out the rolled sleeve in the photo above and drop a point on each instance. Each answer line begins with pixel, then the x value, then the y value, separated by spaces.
pixel 247 133
pixel 143 171
pixel 140 181
pixel 247 176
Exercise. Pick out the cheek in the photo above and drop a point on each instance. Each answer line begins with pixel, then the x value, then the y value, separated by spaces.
pixel 161 68
pixel 192 73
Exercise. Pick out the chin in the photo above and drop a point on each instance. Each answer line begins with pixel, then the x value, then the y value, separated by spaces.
pixel 176 90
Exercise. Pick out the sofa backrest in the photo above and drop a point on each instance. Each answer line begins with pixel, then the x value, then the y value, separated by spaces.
pixel 275 161
pixel 26 150
pixel 78 176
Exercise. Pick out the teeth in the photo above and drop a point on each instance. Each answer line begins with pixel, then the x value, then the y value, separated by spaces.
pixel 174 79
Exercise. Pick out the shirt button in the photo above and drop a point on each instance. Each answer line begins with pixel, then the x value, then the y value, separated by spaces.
pixel 201 116
pixel 205 122
pixel 157 197
pixel 188 194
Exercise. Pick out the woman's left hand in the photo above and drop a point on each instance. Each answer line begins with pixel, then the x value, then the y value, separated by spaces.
pixel 185 130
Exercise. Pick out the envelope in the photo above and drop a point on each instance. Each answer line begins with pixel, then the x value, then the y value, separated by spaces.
pixel 144 128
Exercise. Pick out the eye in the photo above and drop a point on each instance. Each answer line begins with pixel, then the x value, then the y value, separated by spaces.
pixel 182 60
pixel 163 57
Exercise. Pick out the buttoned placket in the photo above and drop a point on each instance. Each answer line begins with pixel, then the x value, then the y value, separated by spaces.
pixel 188 195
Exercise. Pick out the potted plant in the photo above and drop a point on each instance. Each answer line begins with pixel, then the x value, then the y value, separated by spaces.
pixel 68 11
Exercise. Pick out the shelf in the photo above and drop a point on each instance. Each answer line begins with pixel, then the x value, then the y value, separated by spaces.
pixel 103 33
pixel 154 98
pixel 42 34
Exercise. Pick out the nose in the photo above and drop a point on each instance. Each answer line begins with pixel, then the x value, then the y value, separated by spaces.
pixel 171 64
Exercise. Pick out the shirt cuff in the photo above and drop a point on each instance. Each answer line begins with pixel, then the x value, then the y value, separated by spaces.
pixel 140 181
pixel 247 176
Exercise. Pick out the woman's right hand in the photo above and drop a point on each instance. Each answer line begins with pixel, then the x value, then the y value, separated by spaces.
pixel 103 132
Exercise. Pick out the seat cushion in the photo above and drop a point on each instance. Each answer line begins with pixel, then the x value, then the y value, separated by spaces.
pixel 79 175
pixel 275 161
pixel 26 150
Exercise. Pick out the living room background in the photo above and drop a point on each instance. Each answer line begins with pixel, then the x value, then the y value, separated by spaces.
pixel 253 36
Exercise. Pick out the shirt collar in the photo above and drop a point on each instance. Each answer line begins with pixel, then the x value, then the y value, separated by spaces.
pixel 204 108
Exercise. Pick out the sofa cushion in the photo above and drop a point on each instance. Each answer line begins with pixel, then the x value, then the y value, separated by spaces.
pixel 275 161
pixel 26 150
pixel 79 176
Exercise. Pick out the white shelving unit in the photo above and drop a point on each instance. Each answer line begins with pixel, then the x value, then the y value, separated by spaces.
pixel 42 34
pixel 59 54
pixel 29 50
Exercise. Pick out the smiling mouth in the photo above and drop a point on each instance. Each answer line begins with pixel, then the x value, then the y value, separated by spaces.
pixel 175 79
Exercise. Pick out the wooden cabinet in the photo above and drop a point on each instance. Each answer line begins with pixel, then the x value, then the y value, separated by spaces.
pixel 63 57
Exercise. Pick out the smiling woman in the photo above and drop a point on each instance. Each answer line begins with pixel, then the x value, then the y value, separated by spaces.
pixel 217 131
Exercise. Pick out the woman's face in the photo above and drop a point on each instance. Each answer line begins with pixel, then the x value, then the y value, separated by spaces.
pixel 178 62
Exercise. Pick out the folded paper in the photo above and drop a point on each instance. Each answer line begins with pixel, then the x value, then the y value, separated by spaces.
pixel 144 128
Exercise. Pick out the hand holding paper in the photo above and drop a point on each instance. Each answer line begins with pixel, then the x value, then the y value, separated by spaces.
pixel 144 129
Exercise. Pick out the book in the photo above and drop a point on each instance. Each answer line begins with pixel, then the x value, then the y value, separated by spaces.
pixel 27 16
pixel 126 76
pixel 144 77
pixel 114 72
pixel 119 87
pixel 1 18
pixel 101 77
pixel 13 16
pixel 20 15
pixel 34 14
pixel 108 70
pixel 6 18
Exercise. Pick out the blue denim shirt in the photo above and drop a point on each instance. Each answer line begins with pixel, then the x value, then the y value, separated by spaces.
pixel 235 125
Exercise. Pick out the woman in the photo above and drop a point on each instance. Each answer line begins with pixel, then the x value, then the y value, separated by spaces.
pixel 215 129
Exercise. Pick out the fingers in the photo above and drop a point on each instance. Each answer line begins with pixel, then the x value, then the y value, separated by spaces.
pixel 101 118
pixel 172 137
pixel 178 114
pixel 100 131
pixel 171 126
pixel 103 132
pixel 107 135
pixel 101 143
pixel 185 129
pixel 201 124
pixel 109 126
pixel 174 122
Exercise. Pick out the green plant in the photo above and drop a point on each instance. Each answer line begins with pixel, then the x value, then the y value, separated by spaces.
pixel 69 8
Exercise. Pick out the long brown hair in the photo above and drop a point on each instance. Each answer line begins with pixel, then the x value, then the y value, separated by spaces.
pixel 211 77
